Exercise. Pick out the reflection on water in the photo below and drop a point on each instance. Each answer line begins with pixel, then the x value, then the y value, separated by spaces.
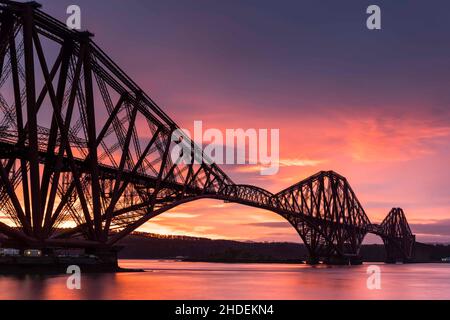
pixel 186 280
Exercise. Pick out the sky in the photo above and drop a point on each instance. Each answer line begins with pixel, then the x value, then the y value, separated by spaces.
pixel 370 105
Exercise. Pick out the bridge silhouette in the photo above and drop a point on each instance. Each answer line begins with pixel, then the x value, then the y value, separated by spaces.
pixel 85 156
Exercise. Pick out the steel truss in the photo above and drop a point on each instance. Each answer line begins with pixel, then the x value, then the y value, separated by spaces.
pixel 82 147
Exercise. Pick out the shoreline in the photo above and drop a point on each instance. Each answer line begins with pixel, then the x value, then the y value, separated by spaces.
pixel 35 268
pixel 45 270
pixel 53 266
pixel 237 261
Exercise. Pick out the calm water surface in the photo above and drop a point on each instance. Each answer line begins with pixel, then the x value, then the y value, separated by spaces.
pixel 185 280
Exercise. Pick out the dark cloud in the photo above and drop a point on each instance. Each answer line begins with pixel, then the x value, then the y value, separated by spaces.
pixel 438 228
pixel 269 224
pixel 295 55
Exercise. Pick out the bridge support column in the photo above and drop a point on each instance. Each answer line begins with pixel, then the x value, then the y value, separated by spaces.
pixel 313 241
pixel 395 253
pixel 343 260
pixel 312 261
pixel 397 237
pixel 322 250
pixel 107 257
pixel 335 260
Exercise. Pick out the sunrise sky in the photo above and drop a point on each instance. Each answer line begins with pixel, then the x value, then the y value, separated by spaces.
pixel 371 105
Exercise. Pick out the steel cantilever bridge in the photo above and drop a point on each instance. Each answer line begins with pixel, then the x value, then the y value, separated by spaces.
pixel 81 145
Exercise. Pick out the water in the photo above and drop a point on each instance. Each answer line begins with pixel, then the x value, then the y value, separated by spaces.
pixel 185 280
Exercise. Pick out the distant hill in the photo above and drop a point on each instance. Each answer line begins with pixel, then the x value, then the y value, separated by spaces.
pixel 150 246
pixel 153 246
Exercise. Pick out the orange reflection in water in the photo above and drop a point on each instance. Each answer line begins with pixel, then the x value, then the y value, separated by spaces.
pixel 185 280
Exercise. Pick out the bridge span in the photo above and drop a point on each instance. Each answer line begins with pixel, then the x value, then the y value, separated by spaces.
pixel 84 156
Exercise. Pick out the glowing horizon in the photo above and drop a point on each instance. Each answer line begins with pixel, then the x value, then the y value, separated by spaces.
pixel 363 105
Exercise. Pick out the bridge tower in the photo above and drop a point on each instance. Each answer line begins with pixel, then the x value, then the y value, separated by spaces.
pixel 328 217
pixel 397 237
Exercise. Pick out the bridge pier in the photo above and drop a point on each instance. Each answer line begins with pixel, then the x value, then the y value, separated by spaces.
pixel 335 260
pixel 312 261
pixel 106 256
pixel 398 260
pixel 395 255
pixel 56 260
pixel 343 260
pixel 397 237
pixel 321 250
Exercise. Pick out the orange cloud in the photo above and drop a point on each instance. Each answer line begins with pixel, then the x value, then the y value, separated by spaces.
pixel 387 139
pixel 388 161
